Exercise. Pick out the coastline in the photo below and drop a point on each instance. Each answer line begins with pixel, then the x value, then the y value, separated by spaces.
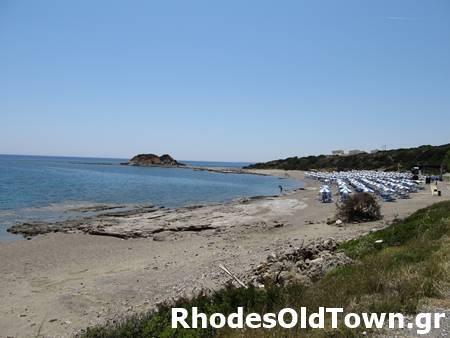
pixel 220 170
pixel 128 222
pixel 64 209
pixel 70 281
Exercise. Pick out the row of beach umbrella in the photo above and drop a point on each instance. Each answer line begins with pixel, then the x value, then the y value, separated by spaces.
pixel 388 185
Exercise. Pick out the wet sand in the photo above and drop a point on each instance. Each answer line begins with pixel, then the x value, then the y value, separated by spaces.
pixel 64 282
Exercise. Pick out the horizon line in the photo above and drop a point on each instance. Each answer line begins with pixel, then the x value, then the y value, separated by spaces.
pixel 120 158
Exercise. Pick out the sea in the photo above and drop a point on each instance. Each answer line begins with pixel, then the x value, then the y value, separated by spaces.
pixel 44 188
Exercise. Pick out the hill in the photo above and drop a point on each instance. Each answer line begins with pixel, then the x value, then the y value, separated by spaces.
pixel 428 157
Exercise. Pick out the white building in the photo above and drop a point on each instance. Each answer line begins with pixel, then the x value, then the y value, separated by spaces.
pixel 338 153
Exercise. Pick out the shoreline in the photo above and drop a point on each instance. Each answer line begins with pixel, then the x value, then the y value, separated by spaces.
pixel 108 221
pixel 220 170
pixel 71 281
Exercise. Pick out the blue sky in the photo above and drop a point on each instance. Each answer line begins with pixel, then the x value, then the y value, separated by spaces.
pixel 222 80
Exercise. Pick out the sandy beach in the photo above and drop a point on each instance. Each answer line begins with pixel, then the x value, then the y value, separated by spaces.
pixel 60 283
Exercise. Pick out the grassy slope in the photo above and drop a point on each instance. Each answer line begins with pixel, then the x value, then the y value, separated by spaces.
pixel 411 265
pixel 388 160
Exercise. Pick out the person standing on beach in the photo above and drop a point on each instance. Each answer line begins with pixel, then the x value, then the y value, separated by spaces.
pixel 281 189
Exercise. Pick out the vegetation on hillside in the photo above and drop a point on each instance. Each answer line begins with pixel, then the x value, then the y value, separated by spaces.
pixel 410 265
pixel 430 157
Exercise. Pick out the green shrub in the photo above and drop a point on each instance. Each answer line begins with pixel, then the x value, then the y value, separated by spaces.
pixel 359 207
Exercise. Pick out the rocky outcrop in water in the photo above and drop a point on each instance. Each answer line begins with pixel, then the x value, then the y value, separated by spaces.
pixel 159 223
pixel 153 160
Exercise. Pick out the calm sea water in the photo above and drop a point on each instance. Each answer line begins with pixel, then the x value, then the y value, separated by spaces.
pixel 53 188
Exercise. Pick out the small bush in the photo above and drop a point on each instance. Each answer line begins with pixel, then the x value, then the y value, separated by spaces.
pixel 358 208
